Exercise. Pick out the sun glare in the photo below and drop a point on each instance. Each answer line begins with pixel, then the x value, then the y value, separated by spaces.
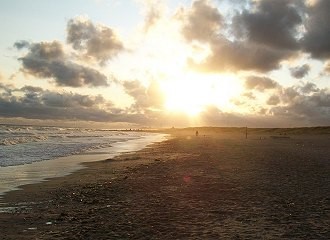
pixel 190 93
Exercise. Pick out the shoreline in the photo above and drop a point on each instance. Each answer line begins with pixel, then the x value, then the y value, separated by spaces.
pixel 14 177
pixel 117 163
pixel 186 187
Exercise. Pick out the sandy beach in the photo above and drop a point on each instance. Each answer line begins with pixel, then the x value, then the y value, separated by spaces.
pixel 218 185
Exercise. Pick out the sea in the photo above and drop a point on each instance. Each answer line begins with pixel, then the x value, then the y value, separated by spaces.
pixel 31 154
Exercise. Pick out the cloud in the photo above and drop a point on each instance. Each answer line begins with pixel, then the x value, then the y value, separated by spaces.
pixel 300 71
pixel 155 94
pixel 21 44
pixel 48 60
pixel 5 90
pixel 201 22
pixel 290 107
pixel 70 100
pixel 32 102
pixel 305 110
pixel 321 99
pixel 270 23
pixel 249 95
pixel 260 83
pixel 289 95
pixel 238 56
pixel 144 97
pixel 327 68
pixel 47 105
pixel 31 89
pixel 94 41
pixel 35 103
pixel 309 88
pixel 153 12
pixel 253 35
pixel 213 116
pixel 273 100
pixel 304 105
pixel 316 40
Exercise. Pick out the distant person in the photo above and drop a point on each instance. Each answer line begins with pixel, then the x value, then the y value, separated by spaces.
pixel 196 133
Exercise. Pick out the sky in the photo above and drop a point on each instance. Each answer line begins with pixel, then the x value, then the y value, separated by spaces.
pixel 164 63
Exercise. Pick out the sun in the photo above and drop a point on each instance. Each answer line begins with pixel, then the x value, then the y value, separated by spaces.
pixel 185 98
pixel 191 93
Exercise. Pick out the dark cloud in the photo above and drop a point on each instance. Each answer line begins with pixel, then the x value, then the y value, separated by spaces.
pixel 300 71
pixel 270 23
pixel 34 103
pixel 6 90
pixel 70 100
pixel 21 44
pixel 31 102
pixel 202 22
pixel 273 100
pixel 291 107
pixel 316 40
pixel 136 90
pixel 47 50
pixel 289 95
pixel 31 89
pixel 144 97
pixel 265 33
pixel 95 41
pixel 309 88
pixel 238 56
pixel 304 105
pixel 48 60
pixel 321 99
pixel 260 83
pixel 47 105
pixel 213 116
pixel 306 109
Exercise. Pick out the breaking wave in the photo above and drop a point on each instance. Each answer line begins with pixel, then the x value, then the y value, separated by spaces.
pixel 20 140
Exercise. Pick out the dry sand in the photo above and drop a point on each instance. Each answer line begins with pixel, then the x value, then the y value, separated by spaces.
pixel 215 186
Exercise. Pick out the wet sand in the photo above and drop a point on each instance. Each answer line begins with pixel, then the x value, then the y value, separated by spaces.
pixel 214 186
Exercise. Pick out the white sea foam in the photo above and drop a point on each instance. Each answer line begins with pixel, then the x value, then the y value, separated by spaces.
pixel 27 144
pixel 19 140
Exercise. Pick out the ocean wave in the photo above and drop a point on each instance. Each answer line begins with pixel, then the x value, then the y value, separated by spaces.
pixel 85 136
pixel 20 140
pixel 91 148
